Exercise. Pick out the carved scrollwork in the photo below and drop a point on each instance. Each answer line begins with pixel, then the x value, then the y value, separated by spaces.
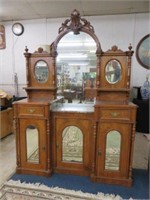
pixel 76 23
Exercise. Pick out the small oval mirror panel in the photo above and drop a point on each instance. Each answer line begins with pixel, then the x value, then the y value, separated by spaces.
pixel 113 71
pixel 41 71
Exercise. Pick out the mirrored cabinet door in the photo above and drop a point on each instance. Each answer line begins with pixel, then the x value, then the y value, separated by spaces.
pixel 33 143
pixel 72 136
pixel 113 144
pixel 113 149
pixel 72 145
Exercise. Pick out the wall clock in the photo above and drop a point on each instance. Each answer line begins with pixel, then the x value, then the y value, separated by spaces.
pixel 18 29
pixel 2 37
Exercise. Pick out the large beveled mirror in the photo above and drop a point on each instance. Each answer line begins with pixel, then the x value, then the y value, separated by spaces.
pixel 76 63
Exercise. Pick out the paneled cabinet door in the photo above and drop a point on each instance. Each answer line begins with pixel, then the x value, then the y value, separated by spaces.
pixel 73 141
pixel 113 150
pixel 33 143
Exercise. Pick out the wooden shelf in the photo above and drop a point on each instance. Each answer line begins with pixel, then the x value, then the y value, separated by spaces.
pixel 113 90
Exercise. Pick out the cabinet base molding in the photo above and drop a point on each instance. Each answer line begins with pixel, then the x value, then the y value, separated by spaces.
pixel 33 172
pixel 117 181
pixel 71 171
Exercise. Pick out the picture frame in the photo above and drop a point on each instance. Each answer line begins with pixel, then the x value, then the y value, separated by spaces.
pixel 143 52
pixel 2 37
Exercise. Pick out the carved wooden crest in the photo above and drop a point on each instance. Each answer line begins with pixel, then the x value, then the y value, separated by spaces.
pixel 76 23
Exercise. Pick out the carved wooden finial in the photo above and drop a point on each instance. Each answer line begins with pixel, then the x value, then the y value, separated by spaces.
pixel 75 18
pixel 114 48
pixel 26 49
pixel 40 50
pixel 130 47
pixel 76 23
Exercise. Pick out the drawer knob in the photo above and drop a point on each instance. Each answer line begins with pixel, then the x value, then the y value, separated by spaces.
pixel 99 152
pixel 114 114
pixel 31 110
pixel 43 147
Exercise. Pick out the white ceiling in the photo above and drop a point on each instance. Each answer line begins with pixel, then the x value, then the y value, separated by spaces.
pixel 13 10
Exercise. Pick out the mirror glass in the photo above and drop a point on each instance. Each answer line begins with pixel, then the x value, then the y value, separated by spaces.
pixel 76 65
pixel 113 145
pixel 32 144
pixel 41 71
pixel 72 144
pixel 113 71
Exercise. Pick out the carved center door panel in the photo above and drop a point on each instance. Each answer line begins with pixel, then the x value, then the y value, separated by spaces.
pixel 73 146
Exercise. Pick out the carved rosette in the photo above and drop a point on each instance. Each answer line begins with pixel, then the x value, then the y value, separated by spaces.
pixel 76 23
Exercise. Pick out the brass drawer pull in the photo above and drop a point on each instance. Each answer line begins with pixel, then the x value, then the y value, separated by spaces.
pixel 30 110
pixel 114 114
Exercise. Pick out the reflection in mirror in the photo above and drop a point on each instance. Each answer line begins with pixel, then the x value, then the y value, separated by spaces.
pixel 41 71
pixel 113 71
pixel 76 65
pixel 72 144
pixel 113 145
pixel 32 144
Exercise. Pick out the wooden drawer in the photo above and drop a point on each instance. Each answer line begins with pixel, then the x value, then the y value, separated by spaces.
pixel 124 114
pixel 31 110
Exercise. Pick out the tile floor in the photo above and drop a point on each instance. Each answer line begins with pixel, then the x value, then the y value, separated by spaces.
pixel 8 155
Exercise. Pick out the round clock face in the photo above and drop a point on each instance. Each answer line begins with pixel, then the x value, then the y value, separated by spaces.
pixel 18 29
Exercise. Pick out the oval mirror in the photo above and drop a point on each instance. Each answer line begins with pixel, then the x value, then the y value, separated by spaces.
pixel 41 71
pixel 76 66
pixel 113 71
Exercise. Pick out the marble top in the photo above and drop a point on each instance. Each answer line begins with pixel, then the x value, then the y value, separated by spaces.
pixel 82 108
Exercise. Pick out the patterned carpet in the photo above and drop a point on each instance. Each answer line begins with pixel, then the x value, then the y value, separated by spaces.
pixel 14 190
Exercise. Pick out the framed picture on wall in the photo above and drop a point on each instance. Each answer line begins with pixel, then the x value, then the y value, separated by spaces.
pixel 143 51
pixel 2 37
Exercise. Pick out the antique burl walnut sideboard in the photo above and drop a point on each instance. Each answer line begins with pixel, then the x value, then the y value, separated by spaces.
pixel 77 118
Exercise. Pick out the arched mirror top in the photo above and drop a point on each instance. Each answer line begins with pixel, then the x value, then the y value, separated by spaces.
pixel 76 25
pixel 113 71
pixel 41 71
pixel 76 48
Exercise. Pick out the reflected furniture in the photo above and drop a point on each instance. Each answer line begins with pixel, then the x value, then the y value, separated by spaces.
pixel 94 139
pixel 142 118
pixel 69 95
pixel 6 121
